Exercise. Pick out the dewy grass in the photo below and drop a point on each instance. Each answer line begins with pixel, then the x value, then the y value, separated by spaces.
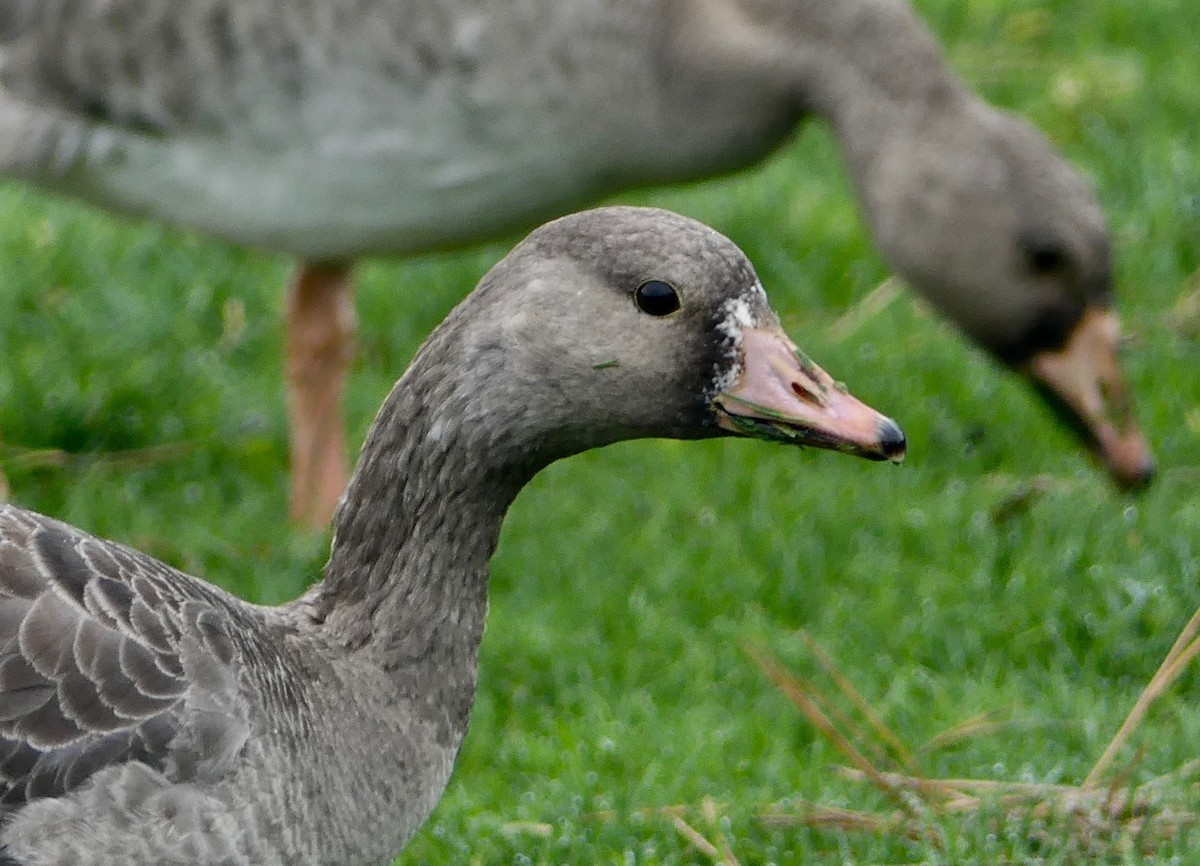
pixel 994 575
pixel 1097 820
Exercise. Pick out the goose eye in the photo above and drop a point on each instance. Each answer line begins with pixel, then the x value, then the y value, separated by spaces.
pixel 1044 254
pixel 657 298
pixel 1045 260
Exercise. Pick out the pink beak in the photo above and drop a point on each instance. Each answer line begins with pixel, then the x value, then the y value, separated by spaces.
pixel 1084 379
pixel 783 396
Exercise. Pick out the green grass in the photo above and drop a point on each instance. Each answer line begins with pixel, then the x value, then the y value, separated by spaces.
pixel 627 580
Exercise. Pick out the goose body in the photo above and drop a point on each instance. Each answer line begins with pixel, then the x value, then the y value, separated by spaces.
pixel 336 128
pixel 392 127
pixel 151 719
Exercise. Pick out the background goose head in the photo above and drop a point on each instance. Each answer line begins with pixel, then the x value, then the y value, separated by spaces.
pixel 621 323
pixel 980 214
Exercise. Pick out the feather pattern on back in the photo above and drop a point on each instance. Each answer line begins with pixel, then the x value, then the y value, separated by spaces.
pixel 108 656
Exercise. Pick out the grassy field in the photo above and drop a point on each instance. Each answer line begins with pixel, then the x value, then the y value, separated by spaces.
pixel 994 573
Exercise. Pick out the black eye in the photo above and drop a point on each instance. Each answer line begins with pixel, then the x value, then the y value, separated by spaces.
pixel 657 298
pixel 1043 255
pixel 1045 260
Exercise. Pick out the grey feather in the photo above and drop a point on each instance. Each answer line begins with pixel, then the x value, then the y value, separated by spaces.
pixel 47 727
pixel 18 702
pixel 47 635
pixel 90 671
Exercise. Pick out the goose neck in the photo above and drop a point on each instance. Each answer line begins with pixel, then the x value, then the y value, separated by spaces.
pixel 408 567
pixel 878 68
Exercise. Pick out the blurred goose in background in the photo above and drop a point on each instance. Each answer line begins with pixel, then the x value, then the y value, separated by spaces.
pixel 333 129
pixel 147 717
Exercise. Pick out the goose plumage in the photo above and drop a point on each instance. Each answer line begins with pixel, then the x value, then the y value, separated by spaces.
pixel 149 718
pixel 331 129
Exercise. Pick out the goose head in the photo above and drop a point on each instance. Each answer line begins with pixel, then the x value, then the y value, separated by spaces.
pixel 621 323
pixel 979 213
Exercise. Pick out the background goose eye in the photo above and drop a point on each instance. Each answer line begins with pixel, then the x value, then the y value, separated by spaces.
pixel 1044 255
pixel 1045 260
pixel 657 298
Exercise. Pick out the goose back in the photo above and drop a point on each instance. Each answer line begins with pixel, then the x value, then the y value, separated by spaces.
pixel 419 124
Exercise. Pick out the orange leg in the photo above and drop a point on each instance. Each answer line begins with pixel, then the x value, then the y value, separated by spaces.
pixel 320 346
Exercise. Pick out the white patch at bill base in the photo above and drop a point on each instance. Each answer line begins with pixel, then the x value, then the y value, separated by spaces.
pixel 737 319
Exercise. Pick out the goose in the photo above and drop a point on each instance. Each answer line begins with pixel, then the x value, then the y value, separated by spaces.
pixel 149 718
pixel 333 129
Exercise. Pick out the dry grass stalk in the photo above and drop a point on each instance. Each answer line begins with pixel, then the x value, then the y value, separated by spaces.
pixel 809 706
pixel 54 458
pixel 1184 317
pixel 794 690
pixel 528 828
pixel 677 811
pixel 1090 821
pixel 695 838
pixel 842 720
pixel 874 303
pixel 959 794
pixel 984 723
pixel 1089 818
pixel 720 852
pixel 860 703
pixel 1184 649
pixel 709 808
pixel 843 820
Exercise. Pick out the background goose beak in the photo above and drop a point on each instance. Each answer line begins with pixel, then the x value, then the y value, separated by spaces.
pixel 1083 382
pixel 783 396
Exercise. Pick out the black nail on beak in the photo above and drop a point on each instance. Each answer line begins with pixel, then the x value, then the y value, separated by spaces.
pixel 891 439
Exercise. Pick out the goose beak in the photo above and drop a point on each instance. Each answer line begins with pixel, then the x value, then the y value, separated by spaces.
pixel 783 396
pixel 1083 382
